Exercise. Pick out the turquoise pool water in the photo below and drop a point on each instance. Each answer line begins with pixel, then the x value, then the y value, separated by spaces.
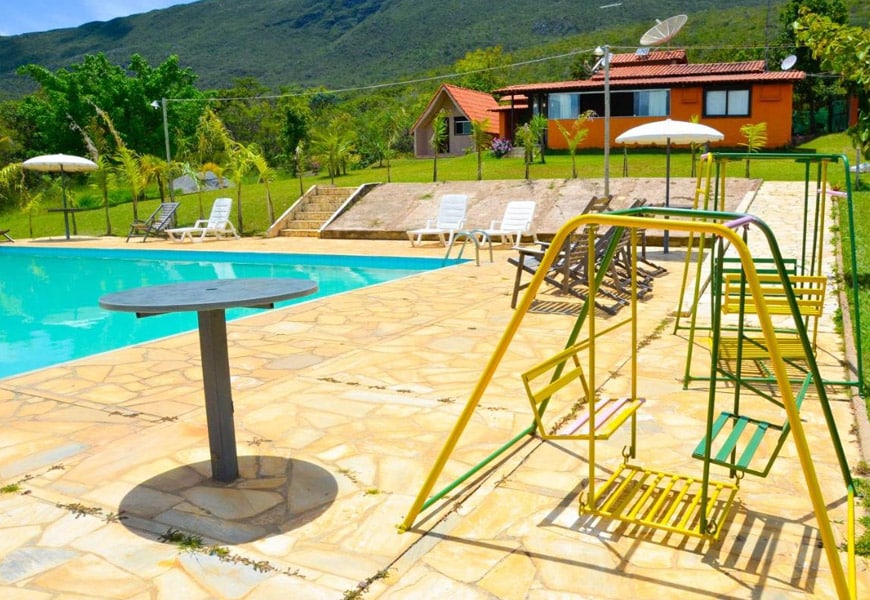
pixel 49 311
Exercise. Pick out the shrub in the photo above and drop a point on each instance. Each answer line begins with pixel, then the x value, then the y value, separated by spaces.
pixel 500 147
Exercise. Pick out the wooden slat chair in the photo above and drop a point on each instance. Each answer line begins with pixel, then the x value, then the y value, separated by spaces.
pixel 563 374
pixel 567 274
pixel 529 259
pixel 156 224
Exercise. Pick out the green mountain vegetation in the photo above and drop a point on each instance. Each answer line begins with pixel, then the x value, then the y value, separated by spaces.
pixel 348 43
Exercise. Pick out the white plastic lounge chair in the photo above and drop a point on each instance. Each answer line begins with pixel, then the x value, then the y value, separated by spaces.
pixel 451 218
pixel 516 222
pixel 218 224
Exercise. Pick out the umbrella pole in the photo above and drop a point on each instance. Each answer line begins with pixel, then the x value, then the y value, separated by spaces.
pixel 63 202
pixel 667 187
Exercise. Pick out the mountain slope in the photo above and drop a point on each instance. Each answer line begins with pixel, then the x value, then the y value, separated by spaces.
pixel 337 43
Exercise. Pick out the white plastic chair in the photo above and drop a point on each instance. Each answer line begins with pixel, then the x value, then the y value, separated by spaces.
pixel 218 224
pixel 451 218
pixel 516 222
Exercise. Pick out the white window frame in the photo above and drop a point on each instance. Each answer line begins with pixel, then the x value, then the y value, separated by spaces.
pixel 727 102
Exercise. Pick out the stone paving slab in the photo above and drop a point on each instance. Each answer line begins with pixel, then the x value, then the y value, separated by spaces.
pixel 341 407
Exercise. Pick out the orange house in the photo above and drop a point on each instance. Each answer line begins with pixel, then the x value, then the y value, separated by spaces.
pixel 462 106
pixel 654 85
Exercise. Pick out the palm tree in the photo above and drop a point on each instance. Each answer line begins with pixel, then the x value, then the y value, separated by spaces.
pixel 538 127
pixel 573 138
pixel 102 176
pixel 756 139
pixel 481 140
pixel 334 144
pixel 215 138
pixel 526 137
pixel 128 163
pixel 239 165
pixel 694 147
pixel 154 169
pixel 436 142
pixel 265 175
pixel 299 158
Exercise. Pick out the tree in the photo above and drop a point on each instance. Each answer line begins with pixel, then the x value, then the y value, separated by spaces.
pixel 577 134
pixel 481 140
pixel 125 94
pixel 102 176
pixel 482 70
pixel 265 175
pixel 694 147
pixel 299 162
pixel 253 117
pixel 235 155
pixel 437 139
pixel 811 93
pixel 129 166
pixel 334 144
pixel 526 137
pixel 844 50
pixel 398 125
pixel 297 121
pixel 12 184
pixel 538 127
pixel 756 139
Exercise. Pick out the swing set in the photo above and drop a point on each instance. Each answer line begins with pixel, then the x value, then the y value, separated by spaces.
pixel 764 309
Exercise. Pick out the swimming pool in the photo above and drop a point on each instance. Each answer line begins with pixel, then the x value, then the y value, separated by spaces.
pixel 49 311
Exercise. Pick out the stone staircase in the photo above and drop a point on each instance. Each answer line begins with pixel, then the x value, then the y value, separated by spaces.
pixel 308 215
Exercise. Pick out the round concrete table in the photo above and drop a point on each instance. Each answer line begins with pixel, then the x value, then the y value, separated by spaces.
pixel 210 299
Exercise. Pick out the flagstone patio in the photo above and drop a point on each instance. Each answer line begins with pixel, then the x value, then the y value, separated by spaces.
pixel 341 407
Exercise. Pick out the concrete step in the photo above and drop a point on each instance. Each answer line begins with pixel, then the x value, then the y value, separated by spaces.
pixel 297 224
pixel 317 208
pixel 299 233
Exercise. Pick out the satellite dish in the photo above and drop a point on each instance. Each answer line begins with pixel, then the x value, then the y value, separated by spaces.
pixel 600 62
pixel 662 31
pixel 788 62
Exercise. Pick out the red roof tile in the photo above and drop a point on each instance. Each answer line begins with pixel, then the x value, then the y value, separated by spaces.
pixel 629 70
pixel 477 106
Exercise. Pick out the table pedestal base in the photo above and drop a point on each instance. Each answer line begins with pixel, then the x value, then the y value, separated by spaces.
pixel 218 394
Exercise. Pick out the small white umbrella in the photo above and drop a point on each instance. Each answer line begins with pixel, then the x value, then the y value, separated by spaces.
pixel 63 164
pixel 665 133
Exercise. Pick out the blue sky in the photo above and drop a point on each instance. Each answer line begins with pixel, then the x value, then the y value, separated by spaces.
pixel 24 16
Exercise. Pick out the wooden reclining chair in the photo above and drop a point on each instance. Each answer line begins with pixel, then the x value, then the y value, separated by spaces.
pixel 156 224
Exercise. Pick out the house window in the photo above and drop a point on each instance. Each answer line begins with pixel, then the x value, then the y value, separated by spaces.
pixel 731 103
pixel 633 103
pixel 651 103
pixel 563 106
pixel 461 126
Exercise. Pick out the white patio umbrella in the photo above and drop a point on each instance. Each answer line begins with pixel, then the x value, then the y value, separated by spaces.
pixel 63 164
pixel 665 133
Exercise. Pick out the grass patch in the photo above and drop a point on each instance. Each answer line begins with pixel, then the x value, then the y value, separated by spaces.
pixel 285 189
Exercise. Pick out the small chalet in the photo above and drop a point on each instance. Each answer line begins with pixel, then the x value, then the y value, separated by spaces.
pixel 654 85
pixel 462 107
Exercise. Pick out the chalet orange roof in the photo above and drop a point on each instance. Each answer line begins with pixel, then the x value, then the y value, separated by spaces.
pixel 661 68
pixel 477 106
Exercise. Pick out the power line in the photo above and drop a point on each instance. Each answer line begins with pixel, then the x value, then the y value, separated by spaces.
pixel 376 86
